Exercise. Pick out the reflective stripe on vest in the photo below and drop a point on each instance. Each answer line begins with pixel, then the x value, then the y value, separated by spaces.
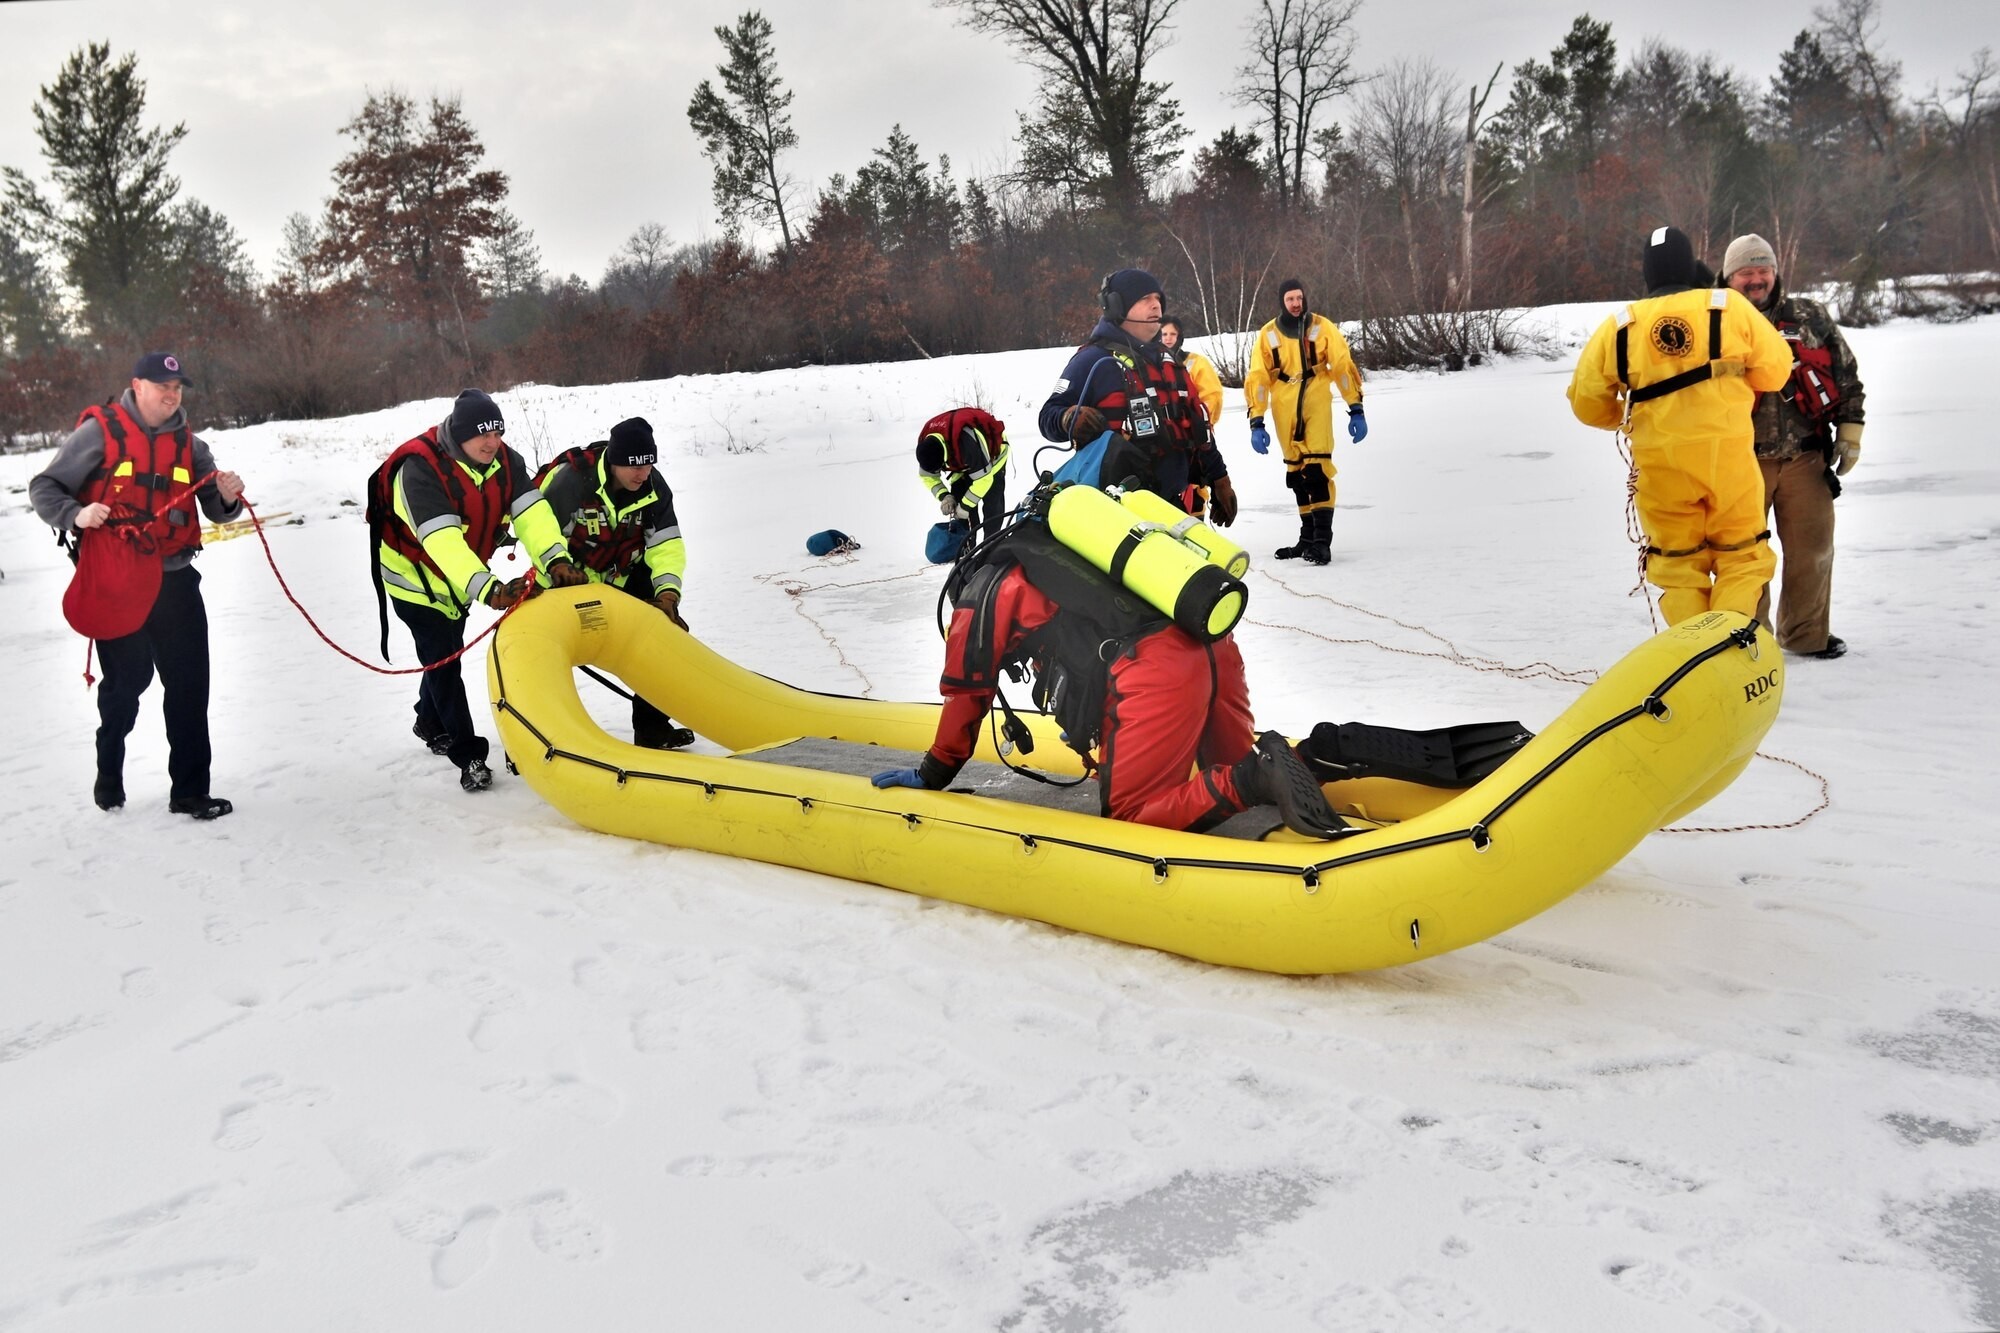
pixel 144 473
pixel 481 504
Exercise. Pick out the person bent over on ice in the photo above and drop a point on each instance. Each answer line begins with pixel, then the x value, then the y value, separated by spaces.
pixel 1678 373
pixel 435 510
pixel 133 467
pixel 962 462
pixel 1143 701
pixel 617 514
pixel 1298 360
pixel 1123 381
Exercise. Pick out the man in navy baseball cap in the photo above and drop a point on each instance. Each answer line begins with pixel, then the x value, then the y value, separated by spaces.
pixel 161 368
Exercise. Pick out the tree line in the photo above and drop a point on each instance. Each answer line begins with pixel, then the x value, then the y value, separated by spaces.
pixel 1424 211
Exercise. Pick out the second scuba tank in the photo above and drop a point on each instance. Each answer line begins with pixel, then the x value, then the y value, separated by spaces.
pixel 1190 531
pixel 1203 598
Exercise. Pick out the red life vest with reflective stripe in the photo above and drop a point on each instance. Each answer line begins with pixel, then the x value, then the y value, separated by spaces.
pixel 949 426
pixel 1813 390
pixel 483 505
pixel 1159 408
pixel 147 480
pixel 598 539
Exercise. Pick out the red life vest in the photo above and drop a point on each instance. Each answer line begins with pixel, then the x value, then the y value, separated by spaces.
pixel 1813 390
pixel 482 504
pixel 147 479
pixel 598 539
pixel 1169 417
pixel 950 426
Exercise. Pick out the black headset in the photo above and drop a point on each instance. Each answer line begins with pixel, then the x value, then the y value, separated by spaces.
pixel 1113 305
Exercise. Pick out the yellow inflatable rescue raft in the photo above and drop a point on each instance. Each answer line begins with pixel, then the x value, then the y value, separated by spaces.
pixel 1661 732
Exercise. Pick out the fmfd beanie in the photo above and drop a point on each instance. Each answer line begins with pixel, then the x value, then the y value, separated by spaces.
pixel 631 444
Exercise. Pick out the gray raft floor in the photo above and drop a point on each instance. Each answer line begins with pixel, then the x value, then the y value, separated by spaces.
pixel 980 778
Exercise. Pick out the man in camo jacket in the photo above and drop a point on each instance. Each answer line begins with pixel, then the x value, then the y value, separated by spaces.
pixel 1808 437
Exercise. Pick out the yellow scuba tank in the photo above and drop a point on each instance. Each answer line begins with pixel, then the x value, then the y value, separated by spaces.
pixel 1203 598
pixel 1190 531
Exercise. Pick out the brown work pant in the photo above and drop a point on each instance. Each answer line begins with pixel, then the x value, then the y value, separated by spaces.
pixel 1796 489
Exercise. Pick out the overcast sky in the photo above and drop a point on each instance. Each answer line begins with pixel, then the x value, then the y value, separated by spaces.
pixel 583 103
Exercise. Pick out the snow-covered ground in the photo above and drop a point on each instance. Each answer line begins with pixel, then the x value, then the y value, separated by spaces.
pixel 375 1054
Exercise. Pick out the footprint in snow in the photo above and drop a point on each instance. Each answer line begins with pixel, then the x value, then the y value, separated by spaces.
pixel 242 1127
pixel 755 1166
pixel 1649 1281
pixel 174 1280
pixel 562 1230
pixel 460 1258
pixel 1738 1316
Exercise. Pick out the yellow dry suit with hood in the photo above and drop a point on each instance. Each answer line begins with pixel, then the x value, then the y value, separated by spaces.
pixel 1679 372
pixel 1280 381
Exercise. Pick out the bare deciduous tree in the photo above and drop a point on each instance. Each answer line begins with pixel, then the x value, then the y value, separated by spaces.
pixel 1407 133
pixel 1100 50
pixel 1301 58
pixel 641 275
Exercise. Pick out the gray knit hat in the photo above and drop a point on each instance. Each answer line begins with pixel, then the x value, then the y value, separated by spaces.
pixel 1751 251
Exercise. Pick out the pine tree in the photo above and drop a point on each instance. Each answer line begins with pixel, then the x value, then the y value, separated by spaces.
pixel 30 310
pixel 111 218
pixel 744 128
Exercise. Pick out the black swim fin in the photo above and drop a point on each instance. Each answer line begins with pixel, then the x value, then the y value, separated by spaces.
pixel 1447 757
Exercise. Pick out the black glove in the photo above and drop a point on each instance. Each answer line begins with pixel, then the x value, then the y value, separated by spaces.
pixel 1082 423
pixel 566 574
pixel 506 596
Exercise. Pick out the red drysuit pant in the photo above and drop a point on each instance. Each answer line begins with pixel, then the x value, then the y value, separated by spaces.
pixel 1173 705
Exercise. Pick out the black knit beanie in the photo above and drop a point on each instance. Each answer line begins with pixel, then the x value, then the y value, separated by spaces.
pixel 473 413
pixel 631 444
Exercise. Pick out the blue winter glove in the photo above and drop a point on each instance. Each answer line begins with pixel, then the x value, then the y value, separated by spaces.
pixel 900 777
pixel 1357 425
pixel 1260 439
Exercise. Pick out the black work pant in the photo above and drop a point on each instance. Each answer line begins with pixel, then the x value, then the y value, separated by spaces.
pixel 991 511
pixel 441 702
pixel 649 724
pixel 173 642
pixel 985 520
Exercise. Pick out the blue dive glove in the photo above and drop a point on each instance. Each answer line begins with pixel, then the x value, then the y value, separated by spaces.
pixel 1260 439
pixel 900 777
pixel 1357 425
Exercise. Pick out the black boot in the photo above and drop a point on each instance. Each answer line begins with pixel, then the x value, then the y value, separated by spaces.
pixel 1272 774
pixel 201 807
pixel 108 792
pixel 1298 548
pixel 435 738
pixel 1319 549
pixel 665 737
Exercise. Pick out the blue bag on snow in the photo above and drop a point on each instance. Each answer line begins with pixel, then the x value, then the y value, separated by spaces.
pixel 942 542
pixel 830 542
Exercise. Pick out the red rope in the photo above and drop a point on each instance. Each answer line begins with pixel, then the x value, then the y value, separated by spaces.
pixel 258 525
